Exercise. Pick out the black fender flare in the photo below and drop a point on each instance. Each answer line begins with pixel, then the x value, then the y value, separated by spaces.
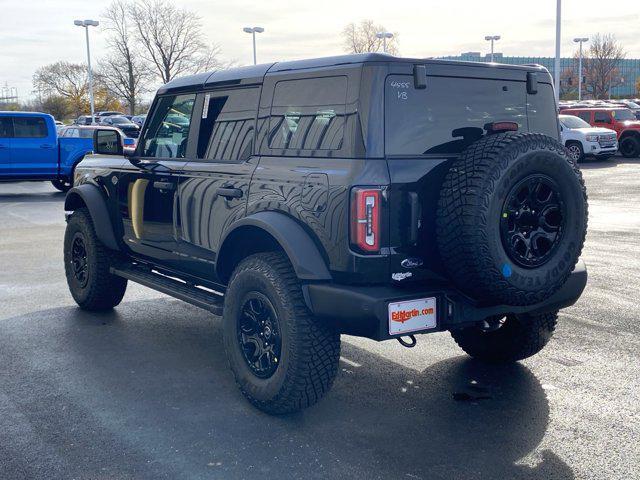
pixel 303 253
pixel 93 198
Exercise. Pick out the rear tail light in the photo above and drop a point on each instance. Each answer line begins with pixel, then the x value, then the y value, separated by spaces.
pixel 365 219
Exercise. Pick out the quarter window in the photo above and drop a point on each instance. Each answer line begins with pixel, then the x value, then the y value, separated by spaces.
pixel 29 127
pixel 227 125
pixel 308 114
pixel 168 131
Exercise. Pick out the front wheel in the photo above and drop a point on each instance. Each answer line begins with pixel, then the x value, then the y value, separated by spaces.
pixel 630 146
pixel 87 263
pixel 508 339
pixel 575 151
pixel 282 358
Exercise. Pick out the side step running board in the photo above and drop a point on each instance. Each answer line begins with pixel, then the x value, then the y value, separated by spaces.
pixel 176 288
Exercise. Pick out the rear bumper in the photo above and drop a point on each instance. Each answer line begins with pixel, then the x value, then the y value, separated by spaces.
pixel 363 311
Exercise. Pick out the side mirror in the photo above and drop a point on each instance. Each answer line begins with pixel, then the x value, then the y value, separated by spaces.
pixel 107 142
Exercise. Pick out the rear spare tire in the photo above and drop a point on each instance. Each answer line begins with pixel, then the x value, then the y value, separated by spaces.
pixel 512 218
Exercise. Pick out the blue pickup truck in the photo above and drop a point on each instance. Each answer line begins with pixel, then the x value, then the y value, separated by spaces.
pixel 30 149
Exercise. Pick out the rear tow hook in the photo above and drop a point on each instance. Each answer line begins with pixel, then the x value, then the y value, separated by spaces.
pixel 410 344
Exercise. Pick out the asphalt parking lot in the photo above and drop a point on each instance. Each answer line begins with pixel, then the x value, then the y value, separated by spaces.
pixel 144 391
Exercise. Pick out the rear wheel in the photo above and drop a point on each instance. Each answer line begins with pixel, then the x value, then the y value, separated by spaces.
pixel 575 151
pixel 62 185
pixel 282 359
pixel 630 146
pixel 87 263
pixel 508 339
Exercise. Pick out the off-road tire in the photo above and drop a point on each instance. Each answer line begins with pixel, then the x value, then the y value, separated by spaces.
pixel 575 151
pixel 102 290
pixel 310 350
pixel 630 146
pixel 471 207
pixel 61 185
pixel 520 337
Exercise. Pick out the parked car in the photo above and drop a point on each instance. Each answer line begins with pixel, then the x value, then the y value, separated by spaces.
pixel 30 149
pixel 365 194
pixel 622 120
pixel 633 106
pixel 108 113
pixel 129 128
pixel 581 139
pixel 139 119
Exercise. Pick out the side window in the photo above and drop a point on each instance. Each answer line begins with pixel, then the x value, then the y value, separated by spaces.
pixel 168 131
pixel 308 114
pixel 602 117
pixel 227 125
pixel 29 127
pixel 6 127
pixel 586 116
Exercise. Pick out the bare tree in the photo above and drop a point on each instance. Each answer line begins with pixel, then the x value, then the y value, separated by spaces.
pixel 123 71
pixel 601 66
pixel 68 80
pixel 361 38
pixel 172 38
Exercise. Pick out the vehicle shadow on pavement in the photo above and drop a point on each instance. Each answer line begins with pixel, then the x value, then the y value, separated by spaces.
pixel 145 392
pixel 30 197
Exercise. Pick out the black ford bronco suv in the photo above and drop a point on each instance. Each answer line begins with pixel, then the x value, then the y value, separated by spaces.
pixel 367 195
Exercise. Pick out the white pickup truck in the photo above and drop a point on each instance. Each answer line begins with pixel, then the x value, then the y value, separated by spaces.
pixel 583 140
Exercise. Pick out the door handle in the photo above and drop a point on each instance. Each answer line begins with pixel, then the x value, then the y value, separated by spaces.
pixel 229 192
pixel 164 185
pixel 46 145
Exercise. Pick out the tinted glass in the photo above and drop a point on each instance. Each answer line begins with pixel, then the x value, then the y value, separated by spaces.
pixel 227 125
pixel 6 127
pixel 167 134
pixel 308 114
pixel 449 115
pixel 623 115
pixel 84 132
pixel 602 117
pixel 29 127
pixel 586 116
pixel 119 120
pixel 541 111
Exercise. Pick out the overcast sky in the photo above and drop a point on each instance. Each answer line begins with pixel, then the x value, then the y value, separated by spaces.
pixel 37 32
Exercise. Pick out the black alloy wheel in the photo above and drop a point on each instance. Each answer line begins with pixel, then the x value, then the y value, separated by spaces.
pixel 259 335
pixel 79 263
pixel 532 221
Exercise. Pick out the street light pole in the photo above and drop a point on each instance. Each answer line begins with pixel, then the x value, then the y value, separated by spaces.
pixel 86 24
pixel 253 31
pixel 492 38
pixel 556 72
pixel 384 36
pixel 580 40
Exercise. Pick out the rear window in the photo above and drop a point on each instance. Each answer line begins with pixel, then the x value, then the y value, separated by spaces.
pixel 451 113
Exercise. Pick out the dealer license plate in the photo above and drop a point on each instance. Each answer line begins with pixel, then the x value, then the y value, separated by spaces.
pixel 412 315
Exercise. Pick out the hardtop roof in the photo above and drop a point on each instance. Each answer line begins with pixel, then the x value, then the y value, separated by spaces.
pixel 257 72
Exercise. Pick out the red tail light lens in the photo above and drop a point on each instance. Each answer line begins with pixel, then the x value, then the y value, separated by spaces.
pixel 365 219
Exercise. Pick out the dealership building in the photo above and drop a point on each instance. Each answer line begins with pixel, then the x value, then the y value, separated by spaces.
pixel 629 68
